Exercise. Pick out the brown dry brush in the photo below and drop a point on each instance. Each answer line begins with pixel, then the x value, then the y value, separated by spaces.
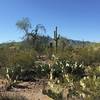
pixel 5 96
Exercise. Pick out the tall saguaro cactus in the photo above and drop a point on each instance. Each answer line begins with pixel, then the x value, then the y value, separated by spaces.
pixel 56 37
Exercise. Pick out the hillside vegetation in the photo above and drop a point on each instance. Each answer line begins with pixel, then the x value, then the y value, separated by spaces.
pixel 68 68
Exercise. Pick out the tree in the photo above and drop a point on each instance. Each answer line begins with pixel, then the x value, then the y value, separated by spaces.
pixel 24 24
pixel 30 33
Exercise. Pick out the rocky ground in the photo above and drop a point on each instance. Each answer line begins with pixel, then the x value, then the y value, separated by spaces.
pixel 30 90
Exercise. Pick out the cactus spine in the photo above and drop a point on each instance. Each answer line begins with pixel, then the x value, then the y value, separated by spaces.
pixel 56 37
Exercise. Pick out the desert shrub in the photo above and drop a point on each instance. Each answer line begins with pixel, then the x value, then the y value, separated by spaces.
pixel 91 88
pixel 4 52
pixel 89 55
pixel 63 67
pixel 3 72
pixel 87 88
pixel 21 67
pixel 53 95
pixel 24 59
pixel 57 70
pixel 78 71
pixel 17 72
pixel 42 70
pixel 14 72
pixel 27 75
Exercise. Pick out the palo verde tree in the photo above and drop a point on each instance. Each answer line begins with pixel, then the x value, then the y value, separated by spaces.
pixel 56 37
pixel 30 32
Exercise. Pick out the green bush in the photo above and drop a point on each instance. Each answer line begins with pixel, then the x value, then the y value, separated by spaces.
pixel 19 73
pixel 30 73
pixel 42 70
pixel 62 67
pixel 21 67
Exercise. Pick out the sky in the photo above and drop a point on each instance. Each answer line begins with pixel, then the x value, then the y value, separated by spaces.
pixel 76 19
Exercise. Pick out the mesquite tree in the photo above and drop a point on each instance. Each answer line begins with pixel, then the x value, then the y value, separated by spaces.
pixel 56 37
pixel 25 25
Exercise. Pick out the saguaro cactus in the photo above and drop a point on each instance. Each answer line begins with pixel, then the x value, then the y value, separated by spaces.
pixel 51 50
pixel 56 37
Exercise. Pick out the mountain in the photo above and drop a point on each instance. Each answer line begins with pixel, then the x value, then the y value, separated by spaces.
pixel 46 40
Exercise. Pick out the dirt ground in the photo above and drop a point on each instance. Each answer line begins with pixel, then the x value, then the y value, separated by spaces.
pixel 32 92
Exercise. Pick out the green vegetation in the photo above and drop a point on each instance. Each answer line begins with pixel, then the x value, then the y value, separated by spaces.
pixel 72 68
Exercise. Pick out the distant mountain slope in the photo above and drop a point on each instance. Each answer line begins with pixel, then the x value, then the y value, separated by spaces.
pixel 47 40
pixel 78 42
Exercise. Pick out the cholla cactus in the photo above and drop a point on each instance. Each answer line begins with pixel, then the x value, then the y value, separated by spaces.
pixel 51 74
pixel 53 56
pixel 50 84
pixel 67 77
pixel 82 84
pixel 7 74
pixel 82 95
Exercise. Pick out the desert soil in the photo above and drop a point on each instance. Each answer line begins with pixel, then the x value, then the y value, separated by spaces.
pixel 32 92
